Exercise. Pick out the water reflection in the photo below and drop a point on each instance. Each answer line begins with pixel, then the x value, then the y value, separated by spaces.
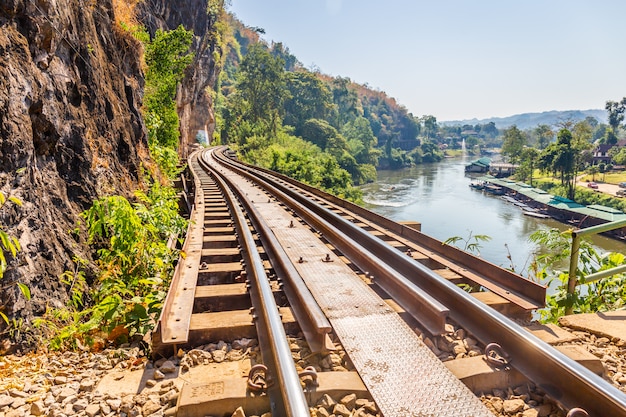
pixel 439 196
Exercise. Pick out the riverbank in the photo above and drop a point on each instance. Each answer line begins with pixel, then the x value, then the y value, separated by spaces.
pixel 438 196
pixel 559 208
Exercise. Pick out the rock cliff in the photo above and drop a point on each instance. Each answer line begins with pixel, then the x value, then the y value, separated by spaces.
pixel 71 130
pixel 194 103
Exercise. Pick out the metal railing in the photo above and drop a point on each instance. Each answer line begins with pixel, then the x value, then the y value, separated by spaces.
pixel 577 235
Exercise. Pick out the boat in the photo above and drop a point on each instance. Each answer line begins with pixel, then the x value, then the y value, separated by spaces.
pixel 535 214
pixel 477 185
pixel 494 189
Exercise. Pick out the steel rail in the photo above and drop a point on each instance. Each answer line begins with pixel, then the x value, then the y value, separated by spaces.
pixel 560 377
pixel 416 301
pixel 272 338
pixel 311 319
pixel 503 282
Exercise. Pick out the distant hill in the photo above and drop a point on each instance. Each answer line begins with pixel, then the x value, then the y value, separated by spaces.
pixel 531 120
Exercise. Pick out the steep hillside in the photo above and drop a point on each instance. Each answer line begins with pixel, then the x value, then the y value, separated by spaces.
pixel 71 130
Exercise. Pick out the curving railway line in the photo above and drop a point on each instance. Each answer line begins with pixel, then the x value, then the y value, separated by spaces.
pixel 267 258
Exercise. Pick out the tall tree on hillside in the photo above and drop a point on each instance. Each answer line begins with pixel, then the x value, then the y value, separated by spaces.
pixel 513 143
pixel 281 51
pixel 346 101
pixel 261 86
pixel 361 141
pixel 309 98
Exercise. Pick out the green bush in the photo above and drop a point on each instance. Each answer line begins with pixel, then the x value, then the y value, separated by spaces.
pixel 134 269
pixel 603 295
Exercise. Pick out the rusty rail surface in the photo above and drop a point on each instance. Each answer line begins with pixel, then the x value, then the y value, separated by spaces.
pixel 560 377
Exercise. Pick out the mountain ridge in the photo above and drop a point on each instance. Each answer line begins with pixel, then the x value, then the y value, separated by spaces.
pixel 530 120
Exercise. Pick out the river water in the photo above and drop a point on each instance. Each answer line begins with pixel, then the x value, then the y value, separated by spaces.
pixel 438 195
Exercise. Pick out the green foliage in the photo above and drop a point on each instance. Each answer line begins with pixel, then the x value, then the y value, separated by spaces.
pixel 528 161
pixel 472 243
pixel 303 161
pixel 9 245
pixel 166 158
pixel 260 93
pixel 603 295
pixel 167 56
pixel 135 266
pixel 136 31
pixel 561 158
pixel 513 143
pixel 309 98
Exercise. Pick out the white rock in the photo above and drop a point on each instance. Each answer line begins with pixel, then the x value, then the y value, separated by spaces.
pixel 513 406
pixel 114 403
pixel 150 407
pixel 87 385
pixel 218 355
pixel 92 410
pixel 81 404
pixel 6 400
pixel 37 408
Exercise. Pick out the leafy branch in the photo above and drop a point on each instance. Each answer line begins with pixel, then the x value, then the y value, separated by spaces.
pixel 472 243
pixel 10 245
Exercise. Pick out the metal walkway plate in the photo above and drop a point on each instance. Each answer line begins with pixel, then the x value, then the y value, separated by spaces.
pixel 404 377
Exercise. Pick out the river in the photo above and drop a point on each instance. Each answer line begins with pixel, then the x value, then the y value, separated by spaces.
pixel 438 195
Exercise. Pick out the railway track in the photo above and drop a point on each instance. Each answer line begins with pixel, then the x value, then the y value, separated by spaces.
pixel 267 257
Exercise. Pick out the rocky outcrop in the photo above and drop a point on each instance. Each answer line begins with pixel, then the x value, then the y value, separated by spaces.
pixel 194 103
pixel 70 132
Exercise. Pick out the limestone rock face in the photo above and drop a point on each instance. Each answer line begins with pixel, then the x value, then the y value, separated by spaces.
pixel 194 104
pixel 70 132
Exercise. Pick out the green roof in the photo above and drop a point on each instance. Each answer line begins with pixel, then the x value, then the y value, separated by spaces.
pixel 594 210
pixel 602 212
pixel 484 161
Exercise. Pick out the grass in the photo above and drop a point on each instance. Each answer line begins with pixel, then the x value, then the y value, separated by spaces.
pixel 606 177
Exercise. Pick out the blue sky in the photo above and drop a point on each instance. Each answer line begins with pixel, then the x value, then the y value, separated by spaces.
pixel 459 59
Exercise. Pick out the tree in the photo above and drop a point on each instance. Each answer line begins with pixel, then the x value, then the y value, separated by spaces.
pixel 261 86
pixel 319 132
pixel 513 143
pixel 309 98
pixel 618 155
pixel 282 52
pixel 167 56
pixel 544 135
pixel 560 157
pixel 361 141
pixel 490 130
pixel 430 126
pixel 593 170
pixel 345 99
pixel 528 159
pixel 615 110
